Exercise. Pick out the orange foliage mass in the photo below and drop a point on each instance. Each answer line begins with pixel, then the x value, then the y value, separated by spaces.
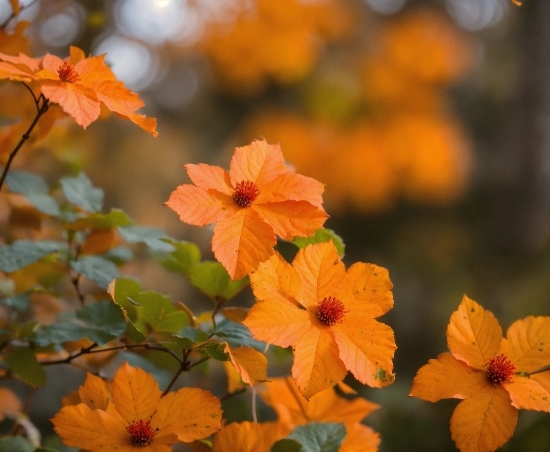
pixel 256 200
pixel 136 417
pixel 327 314
pixel 395 136
pixel 490 373
pixel 274 40
pixel 13 43
pixel 424 158
pixel 79 85
pixel 293 410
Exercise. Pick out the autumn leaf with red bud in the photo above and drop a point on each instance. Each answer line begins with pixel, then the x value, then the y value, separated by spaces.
pixel 495 376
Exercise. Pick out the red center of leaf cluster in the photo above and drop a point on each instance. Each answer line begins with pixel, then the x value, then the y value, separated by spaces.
pixel 500 370
pixel 141 431
pixel 67 73
pixel 331 311
pixel 245 193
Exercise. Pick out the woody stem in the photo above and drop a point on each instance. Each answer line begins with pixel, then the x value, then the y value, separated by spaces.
pixel 41 111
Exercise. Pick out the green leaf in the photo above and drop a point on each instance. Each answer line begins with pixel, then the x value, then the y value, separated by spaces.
pixel 212 279
pixel 19 302
pixel 183 342
pixel 24 252
pixel 23 331
pixel 183 258
pixel 319 437
pixel 15 443
pixel 217 351
pixel 100 322
pixel 99 270
pixel 150 236
pixel 119 254
pixel 116 217
pixel 237 334
pixel 158 312
pixel 80 192
pixel 123 291
pixel 35 189
pixel 57 333
pixel 103 315
pixel 322 235
pixel 22 361
pixel 194 334
pixel 286 445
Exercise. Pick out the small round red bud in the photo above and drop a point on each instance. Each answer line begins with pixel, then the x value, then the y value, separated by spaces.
pixel 331 311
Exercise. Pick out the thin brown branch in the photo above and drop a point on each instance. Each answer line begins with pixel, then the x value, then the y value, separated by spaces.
pixel 13 15
pixel 41 111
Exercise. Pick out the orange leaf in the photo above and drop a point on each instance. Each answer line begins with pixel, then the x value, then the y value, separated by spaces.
pixel 473 335
pixel 9 403
pixel 321 270
pixel 15 6
pixel 188 414
pixel 295 187
pixel 78 101
pixel 235 313
pixel 242 241
pixel 15 42
pixel 249 208
pixel 529 343
pixel 234 381
pixel 208 177
pixel 246 437
pixel 93 430
pixel 317 365
pixel 278 322
pixel 485 422
pixel 446 377
pixel 292 219
pixel 275 278
pixel 366 347
pixel 528 394
pixel 198 207
pixel 100 241
pixel 258 162
pixel 360 437
pixel 250 364
pixel 367 290
pixel 135 393
pixel 292 409
pixel 94 393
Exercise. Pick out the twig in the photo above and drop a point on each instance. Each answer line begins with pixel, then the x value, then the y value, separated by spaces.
pixel 13 16
pixel 89 350
pixel 42 110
